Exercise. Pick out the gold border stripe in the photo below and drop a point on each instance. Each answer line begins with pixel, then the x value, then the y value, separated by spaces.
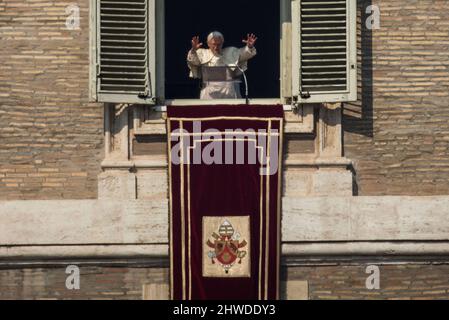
pixel 183 231
pixel 261 234
pixel 171 209
pixel 189 236
pixel 260 209
pixel 226 118
pixel 267 211
pixel 279 206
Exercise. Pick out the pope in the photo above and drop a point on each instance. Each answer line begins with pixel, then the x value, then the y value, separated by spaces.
pixel 217 56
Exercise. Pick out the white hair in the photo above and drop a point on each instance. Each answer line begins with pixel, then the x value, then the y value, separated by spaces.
pixel 215 35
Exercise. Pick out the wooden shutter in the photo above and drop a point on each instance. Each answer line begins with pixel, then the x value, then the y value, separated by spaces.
pixel 324 51
pixel 123 41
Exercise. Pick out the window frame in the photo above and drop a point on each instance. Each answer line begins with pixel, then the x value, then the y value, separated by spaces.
pixel 160 80
pixel 289 61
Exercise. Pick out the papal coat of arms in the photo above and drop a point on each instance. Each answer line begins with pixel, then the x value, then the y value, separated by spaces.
pixel 227 247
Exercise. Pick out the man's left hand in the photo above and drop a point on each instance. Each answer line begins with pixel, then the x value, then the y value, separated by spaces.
pixel 250 40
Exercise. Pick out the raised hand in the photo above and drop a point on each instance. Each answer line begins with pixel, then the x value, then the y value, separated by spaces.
pixel 196 44
pixel 250 40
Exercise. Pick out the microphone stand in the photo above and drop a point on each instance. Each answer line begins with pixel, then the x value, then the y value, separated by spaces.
pixel 246 83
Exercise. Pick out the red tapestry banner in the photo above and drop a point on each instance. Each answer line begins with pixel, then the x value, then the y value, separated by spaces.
pixel 225 187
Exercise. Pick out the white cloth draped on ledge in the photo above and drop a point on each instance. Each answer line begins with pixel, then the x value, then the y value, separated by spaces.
pixel 231 56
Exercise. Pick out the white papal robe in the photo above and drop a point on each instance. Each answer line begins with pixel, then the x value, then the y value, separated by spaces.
pixel 230 56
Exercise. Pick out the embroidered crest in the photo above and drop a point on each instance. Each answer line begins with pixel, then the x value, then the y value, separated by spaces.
pixel 226 247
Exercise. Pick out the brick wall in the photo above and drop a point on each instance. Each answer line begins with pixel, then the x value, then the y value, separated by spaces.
pixel 398 133
pixel 51 140
pixel 397 282
pixel 95 283
pixel 411 281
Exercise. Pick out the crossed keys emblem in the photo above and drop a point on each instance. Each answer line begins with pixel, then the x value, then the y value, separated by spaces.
pixel 226 245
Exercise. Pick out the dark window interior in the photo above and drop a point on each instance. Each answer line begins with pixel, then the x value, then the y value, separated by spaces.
pixel 234 18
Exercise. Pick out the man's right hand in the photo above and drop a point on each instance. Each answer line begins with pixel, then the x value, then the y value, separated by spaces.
pixel 196 44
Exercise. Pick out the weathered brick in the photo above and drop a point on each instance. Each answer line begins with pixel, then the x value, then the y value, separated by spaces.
pixel 44 102
pixel 397 282
pixel 404 99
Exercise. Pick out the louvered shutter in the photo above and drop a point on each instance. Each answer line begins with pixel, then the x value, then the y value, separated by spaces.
pixel 324 51
pixel 124 52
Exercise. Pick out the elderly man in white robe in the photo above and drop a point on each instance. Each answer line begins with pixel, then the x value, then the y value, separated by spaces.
pixel 235 59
